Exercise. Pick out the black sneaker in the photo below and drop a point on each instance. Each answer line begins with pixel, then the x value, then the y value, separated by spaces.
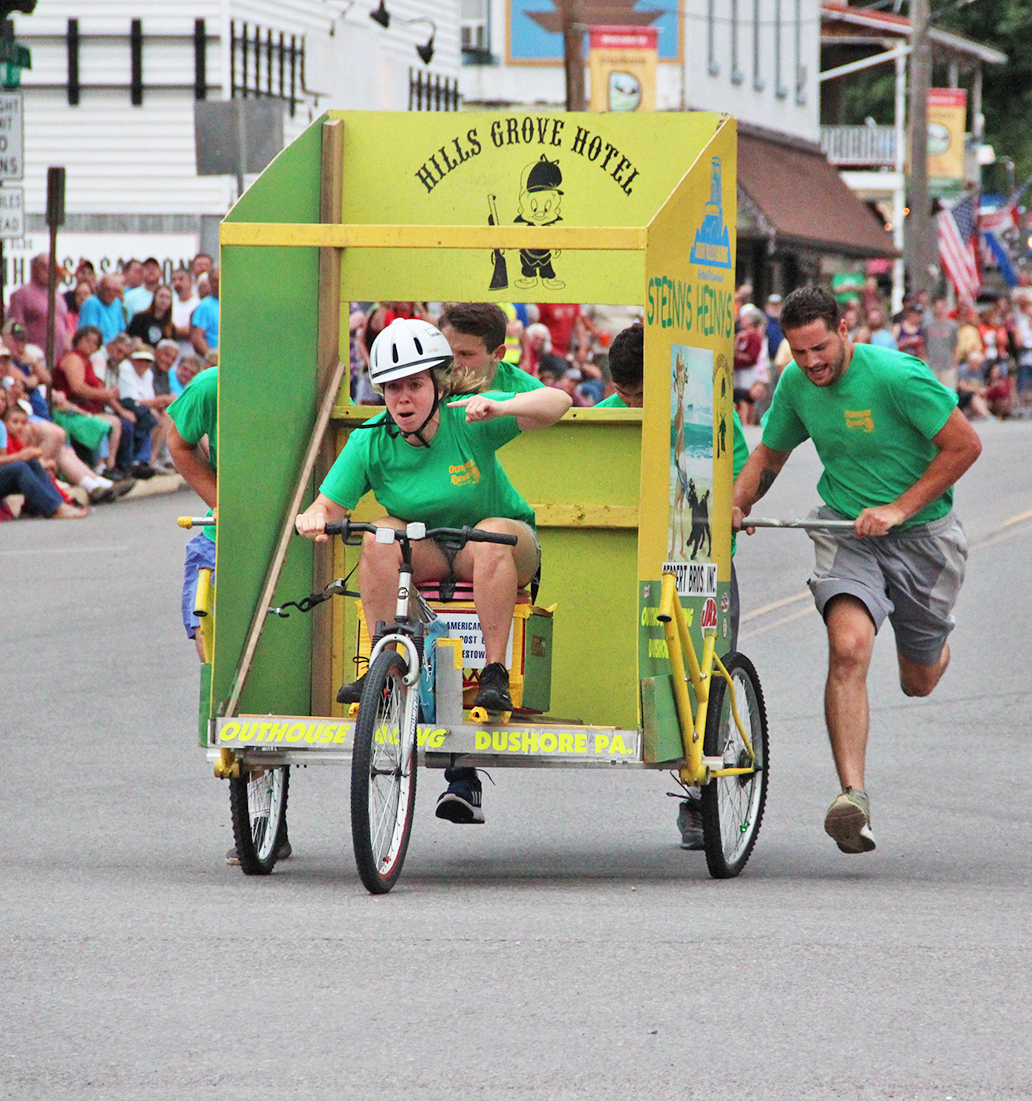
pixel 282 853
pixel 461 803
pixel 352 693
pixel 689 822
pixel 493 694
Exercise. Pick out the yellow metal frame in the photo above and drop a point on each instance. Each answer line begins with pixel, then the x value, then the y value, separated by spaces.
pixel 700 675
pixel 227 766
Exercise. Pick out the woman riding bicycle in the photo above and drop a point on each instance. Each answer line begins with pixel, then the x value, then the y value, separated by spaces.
pixel 432 460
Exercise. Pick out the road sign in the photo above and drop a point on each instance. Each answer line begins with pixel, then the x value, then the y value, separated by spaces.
pixel 11 135
pixel 12 213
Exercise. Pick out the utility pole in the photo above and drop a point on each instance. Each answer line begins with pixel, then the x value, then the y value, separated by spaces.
pixel 919 256
pixel 573 52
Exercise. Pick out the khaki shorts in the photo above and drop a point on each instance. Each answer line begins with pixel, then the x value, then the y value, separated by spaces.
pixel 912 576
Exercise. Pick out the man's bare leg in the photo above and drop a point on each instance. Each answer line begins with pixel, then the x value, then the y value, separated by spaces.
pixel 920 680
pixel 850 644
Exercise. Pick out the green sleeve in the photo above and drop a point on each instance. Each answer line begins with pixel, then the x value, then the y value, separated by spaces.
pixel 195 411
pixel 782 428
pixel 513 378
pixel 348 480
pixel 921 398
pixel 614 401
pixel 494 433
pixel 741 452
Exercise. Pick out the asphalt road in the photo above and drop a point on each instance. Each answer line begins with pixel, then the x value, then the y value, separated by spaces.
pixel 569 949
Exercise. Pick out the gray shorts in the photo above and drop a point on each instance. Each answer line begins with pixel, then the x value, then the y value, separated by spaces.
pixel 911 576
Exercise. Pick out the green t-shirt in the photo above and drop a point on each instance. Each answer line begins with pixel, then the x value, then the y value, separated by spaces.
pixel 458 480
pixel 511 379
pixel 614 401
pixel 872 429
pixel 195 415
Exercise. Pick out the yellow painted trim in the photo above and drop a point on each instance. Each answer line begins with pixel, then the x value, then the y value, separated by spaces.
pixel 316 235
pixel 455 645
pixel 586 516
pixel 670 611
pixel 734 708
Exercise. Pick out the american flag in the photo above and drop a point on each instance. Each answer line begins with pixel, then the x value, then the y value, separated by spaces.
pixel 957 248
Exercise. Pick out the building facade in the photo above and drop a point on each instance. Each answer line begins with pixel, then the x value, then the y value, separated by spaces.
pixel 114 86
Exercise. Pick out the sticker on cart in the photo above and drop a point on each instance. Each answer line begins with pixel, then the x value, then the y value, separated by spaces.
pixel 725 602
pixel 709 614
pixel 694 578
pixel 466 626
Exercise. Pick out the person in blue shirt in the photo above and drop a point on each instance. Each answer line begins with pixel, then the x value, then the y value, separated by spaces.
pixel 104 309
pixel 204 321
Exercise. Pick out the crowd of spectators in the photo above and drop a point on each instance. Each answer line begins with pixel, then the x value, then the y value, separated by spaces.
pixel 982 352
pixel 83 430
pixel 564 345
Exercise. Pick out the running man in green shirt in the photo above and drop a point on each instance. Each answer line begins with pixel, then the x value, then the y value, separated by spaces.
pixel 893 444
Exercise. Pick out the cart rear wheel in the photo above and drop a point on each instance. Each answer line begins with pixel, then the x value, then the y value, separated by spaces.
pixel 732 806
pixel 258 805
pixel 383 773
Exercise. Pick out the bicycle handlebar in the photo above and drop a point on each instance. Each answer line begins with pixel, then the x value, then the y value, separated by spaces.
pixel 806 525
pixel 344 528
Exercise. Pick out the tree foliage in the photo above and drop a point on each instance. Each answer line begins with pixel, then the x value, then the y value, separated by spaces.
pixel 1005 25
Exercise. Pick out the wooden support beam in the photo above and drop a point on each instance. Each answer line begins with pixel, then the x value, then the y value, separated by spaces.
pixel 589 238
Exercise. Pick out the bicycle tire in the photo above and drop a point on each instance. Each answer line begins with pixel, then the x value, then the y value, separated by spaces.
pixel 732 806
pixel 383 773
pixel 258 807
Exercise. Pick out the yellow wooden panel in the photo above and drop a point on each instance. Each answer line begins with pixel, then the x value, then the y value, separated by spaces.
pixel 272 234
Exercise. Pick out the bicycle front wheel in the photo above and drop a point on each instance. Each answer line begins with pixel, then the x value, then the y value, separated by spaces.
pixel 732 806
pixel 258 805
pixel 383 773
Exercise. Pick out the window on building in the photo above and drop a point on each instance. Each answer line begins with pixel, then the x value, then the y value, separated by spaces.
pixel 474 29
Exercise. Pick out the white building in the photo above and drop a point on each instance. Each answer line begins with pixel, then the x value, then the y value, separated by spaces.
pixel 114 83
pixel 758 60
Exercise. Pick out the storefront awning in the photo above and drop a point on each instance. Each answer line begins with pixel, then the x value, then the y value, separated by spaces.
pixel 802 201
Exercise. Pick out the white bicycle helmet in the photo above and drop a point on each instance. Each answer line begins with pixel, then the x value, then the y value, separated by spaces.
pixel 407 347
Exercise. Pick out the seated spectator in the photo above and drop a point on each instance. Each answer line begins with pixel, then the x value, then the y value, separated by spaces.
pixel 154 322
pixel 104 308
pixel 999 397
pixel 22 434
pixel 136 393
pixel 165 355
pixel 21 472
pixel 30 363
pixel 46 435
pixel 187 368
pixel 476 333
pixel 108 360
pixel 971 388
pixel 75 378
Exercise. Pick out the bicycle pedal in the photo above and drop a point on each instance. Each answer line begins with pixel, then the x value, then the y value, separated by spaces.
pixel 481 715
pixel 352 710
